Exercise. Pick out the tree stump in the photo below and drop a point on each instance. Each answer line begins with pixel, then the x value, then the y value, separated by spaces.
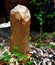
pixel 20 27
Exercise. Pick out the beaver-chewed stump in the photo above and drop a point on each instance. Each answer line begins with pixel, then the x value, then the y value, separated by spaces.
pixel 20 27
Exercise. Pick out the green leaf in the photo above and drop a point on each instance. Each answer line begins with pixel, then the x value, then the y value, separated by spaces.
pixel 5 54
pixel 53 34
pixel 36 7
pixel 25 57
pixel 48 16
pixel 51 15
pixel 35 15
pixel 40 15
pixel 16 47
pixel 45 34
pixel 29 38
pixel 39 45
pixel 6 57
pixel 50 46
pixel 1 48
pixel 25 63
pixel 45 1
pixel 14 60
pixel 54 14
pixel 34 1
pixel 29 62
pixel 38 4
pixel 41 20
pixel 36 41
pixel 41 23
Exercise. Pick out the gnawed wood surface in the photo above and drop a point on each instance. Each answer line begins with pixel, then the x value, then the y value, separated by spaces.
pixel 20 27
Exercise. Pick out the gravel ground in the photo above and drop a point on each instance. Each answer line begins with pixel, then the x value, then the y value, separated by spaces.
pixel 39 56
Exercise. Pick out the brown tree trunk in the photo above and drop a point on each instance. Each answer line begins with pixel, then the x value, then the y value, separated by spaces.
pixel 20 31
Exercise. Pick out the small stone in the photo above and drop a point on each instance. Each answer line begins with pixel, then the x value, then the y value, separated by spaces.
pixel 34 63
pixel 53 43
pixel 13 61
pixel 53 57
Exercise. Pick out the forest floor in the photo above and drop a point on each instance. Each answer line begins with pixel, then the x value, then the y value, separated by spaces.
pixel 42 51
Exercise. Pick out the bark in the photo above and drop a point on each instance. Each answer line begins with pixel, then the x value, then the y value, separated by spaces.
pixel 20 28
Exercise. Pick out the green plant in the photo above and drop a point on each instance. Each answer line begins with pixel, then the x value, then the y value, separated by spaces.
pixel 16 48
pixel 54 14
pixel 37 40
pixel 51 15
pixel 29 38
pixel 45 35
pixel 50 46
pixel 39 45
pixel 1 48
pixel 29 62
pixel 39 6
pixel 41 16
pixel 6 57
pixel 53 34
pixel 18 55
